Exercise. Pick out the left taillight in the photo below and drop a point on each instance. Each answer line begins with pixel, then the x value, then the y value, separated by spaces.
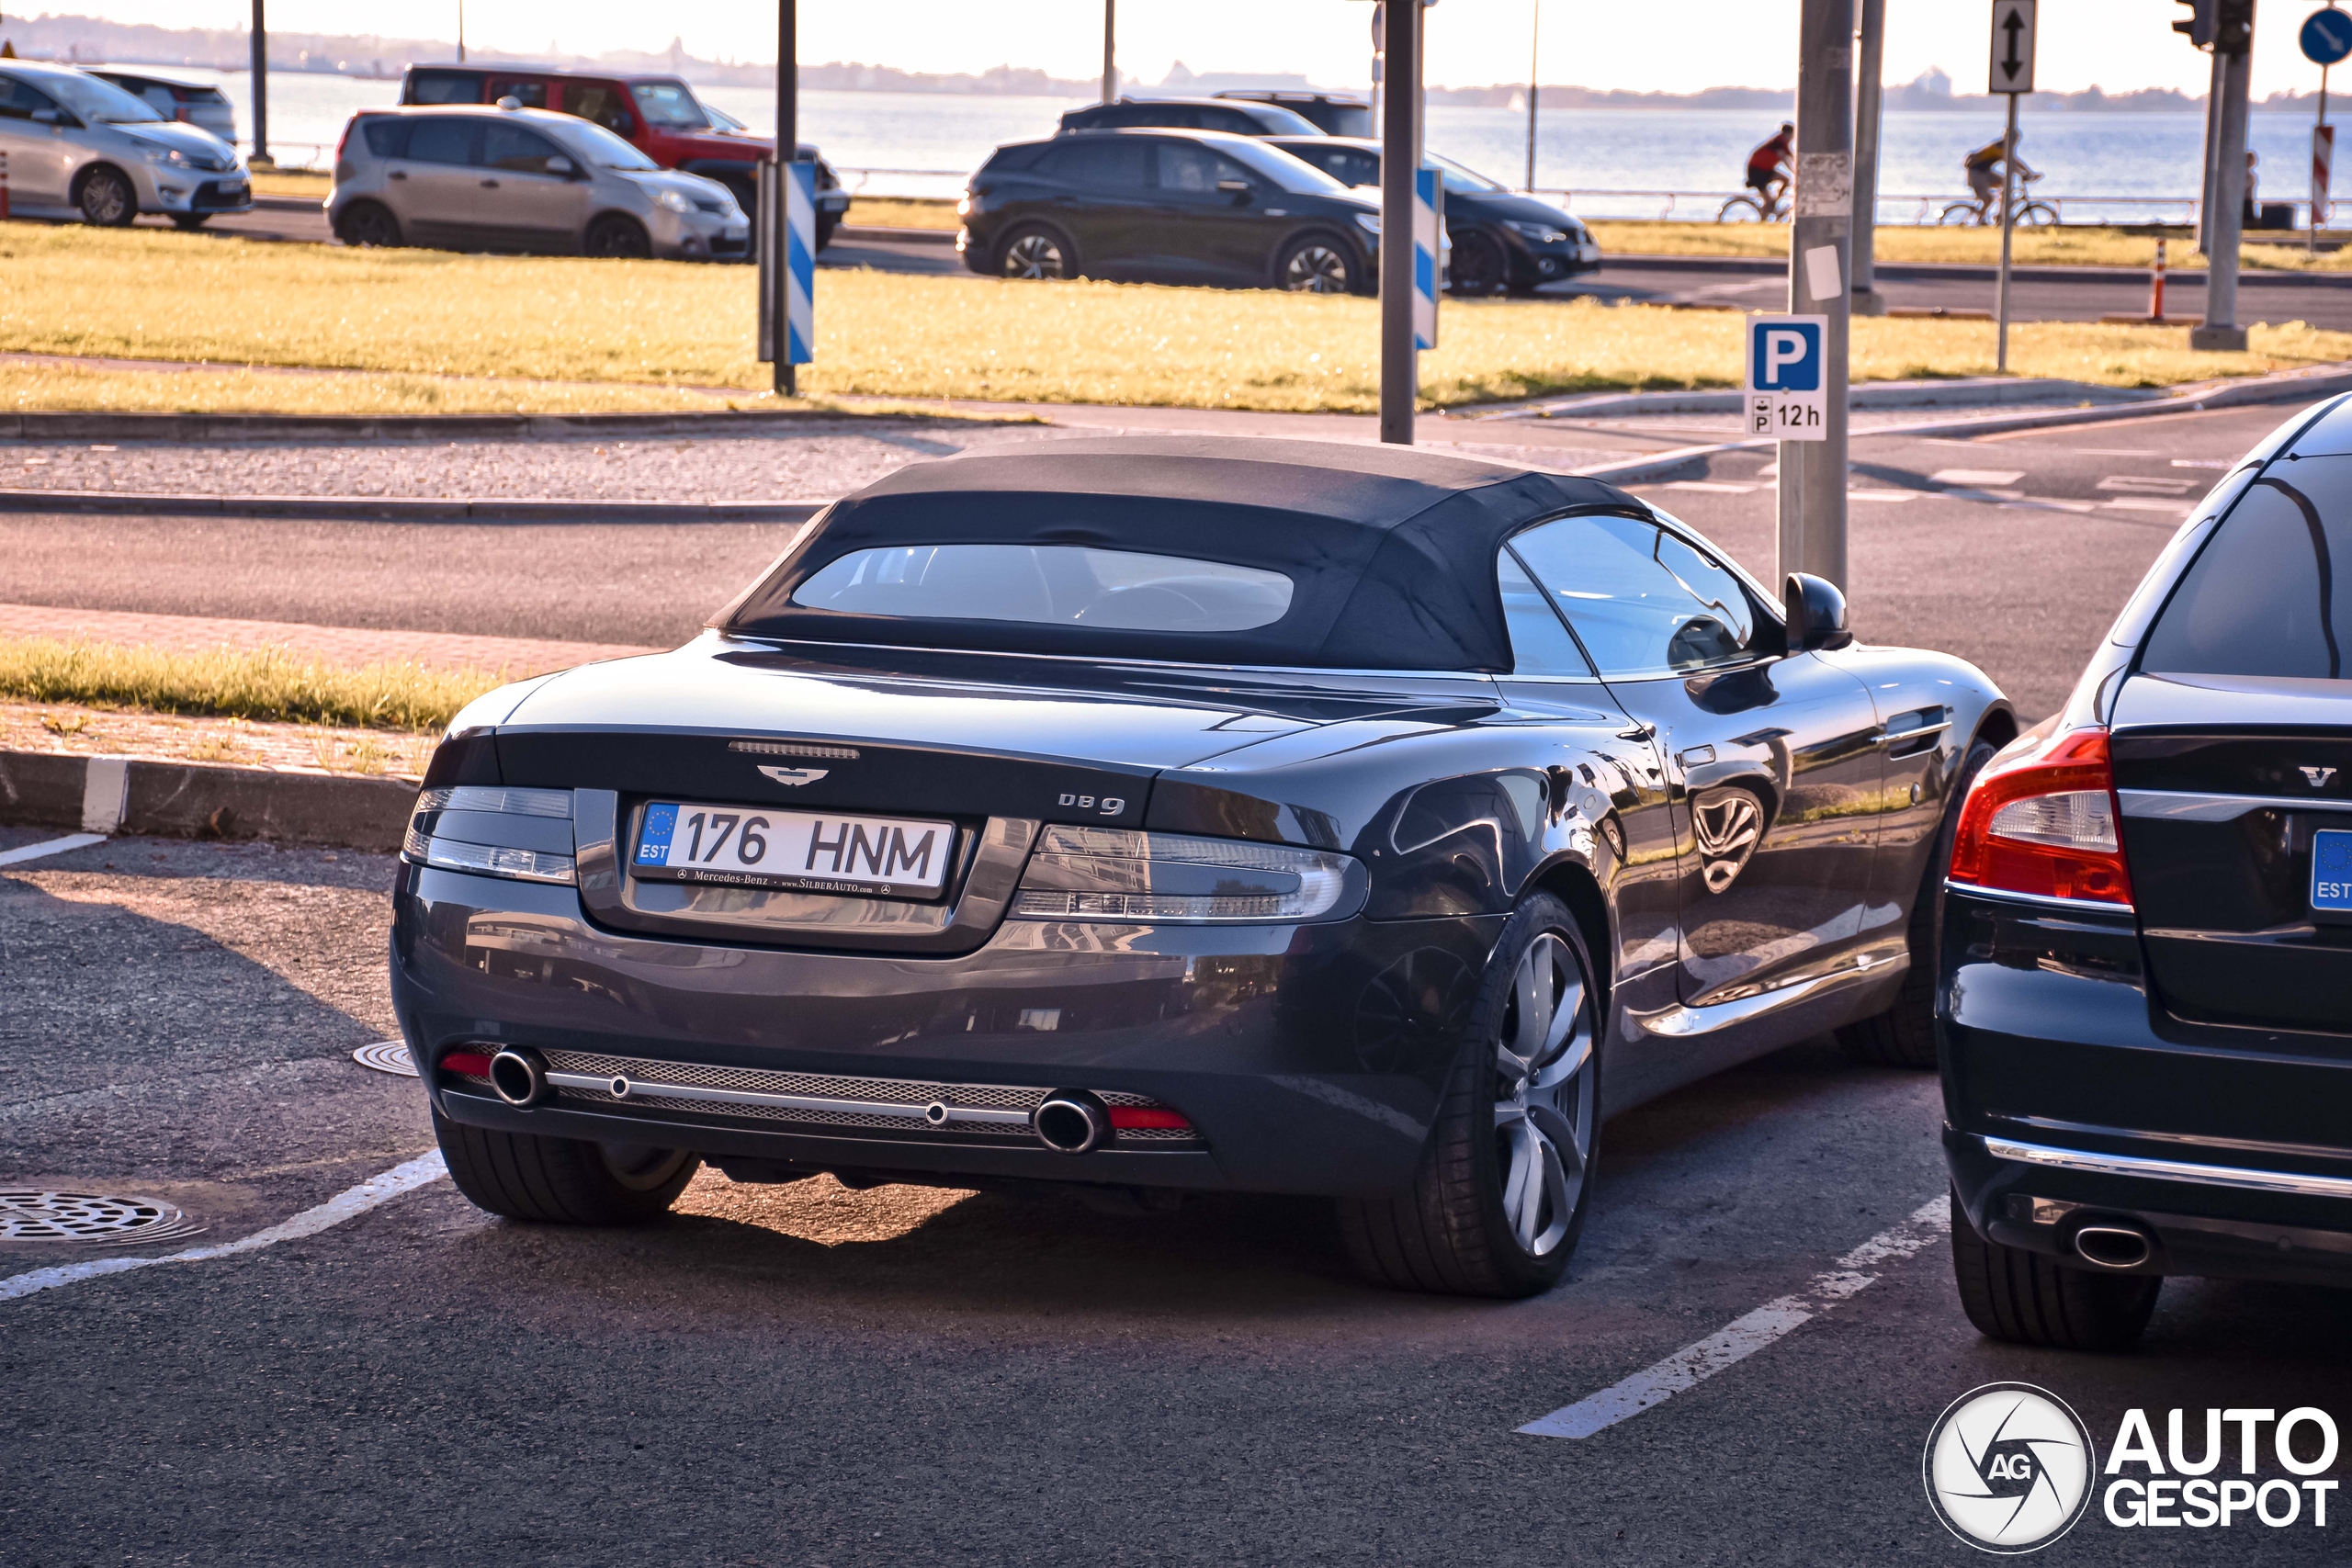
pixel 494 830
pixel 2040 820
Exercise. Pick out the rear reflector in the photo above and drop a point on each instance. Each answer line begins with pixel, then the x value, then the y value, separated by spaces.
pixel 1130 1116
pixel 2040 820
pixel 472 1063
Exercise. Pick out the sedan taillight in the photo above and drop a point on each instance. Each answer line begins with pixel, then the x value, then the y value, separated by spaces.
pixel 1114 873
pixel 2040 820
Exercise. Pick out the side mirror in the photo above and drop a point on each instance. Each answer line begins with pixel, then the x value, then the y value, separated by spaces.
pixel 1238 190
pixel 560 165
pixel 1816 614
pixel 47 117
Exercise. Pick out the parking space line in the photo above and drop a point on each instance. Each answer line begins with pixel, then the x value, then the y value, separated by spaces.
pixel 348 1204
pixel 51 847
pixel 1743 1337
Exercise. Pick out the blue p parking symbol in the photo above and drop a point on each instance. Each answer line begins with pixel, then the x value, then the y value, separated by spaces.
pixel 1784 357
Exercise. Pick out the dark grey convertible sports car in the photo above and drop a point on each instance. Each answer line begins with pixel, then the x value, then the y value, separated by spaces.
pixel 1181 814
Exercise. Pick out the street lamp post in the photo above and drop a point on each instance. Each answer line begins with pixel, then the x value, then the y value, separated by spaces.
pixel 778 240
pixel 1534 80
pixel 260 87
pixel 1110 51
pixel 1812 513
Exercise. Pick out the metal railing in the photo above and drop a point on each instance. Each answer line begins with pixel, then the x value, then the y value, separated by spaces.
pixel 1925 210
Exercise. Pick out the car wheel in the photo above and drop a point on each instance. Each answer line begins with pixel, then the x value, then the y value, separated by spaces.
pixel 562 1181
pixel 1500 1196
pixel 366 224
pixel 106 199
pixel 1316 266
pixel 1479 267
pixel 189 222
pixel 1034 251
pixel 1905 1034
pixel 613 235
pixel 2026 1299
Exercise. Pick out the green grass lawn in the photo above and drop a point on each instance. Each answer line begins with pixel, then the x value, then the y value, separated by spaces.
pixel 640 327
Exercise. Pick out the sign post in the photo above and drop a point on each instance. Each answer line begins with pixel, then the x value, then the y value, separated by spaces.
pixel 2232 35
pixel 1811 534
pixel 1400 168
pixel 2011 73
pixel 261 158
pixel 1110 51
pixel 2327 38
pixel 787 240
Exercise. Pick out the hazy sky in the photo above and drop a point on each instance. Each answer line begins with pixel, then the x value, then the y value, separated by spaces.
pixel 1658 45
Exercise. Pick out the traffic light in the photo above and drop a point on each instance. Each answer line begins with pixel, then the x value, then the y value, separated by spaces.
pixel 2199 22
pixel 2234 26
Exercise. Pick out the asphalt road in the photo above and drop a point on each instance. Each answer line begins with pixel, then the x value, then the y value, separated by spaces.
pixel 804 1375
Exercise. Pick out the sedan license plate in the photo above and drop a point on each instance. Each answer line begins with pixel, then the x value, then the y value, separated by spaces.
pixel 2332 871
pixel 751 846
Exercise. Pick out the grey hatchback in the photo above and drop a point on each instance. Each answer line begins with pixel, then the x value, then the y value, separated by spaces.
pixel 473 177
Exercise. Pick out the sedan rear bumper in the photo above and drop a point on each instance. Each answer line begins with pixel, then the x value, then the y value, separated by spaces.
pixel 1308 1059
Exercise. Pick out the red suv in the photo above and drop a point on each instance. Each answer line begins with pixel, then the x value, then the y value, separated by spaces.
pixel 659 114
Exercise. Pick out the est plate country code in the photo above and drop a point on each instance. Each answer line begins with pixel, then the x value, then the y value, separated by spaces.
pixel 820 851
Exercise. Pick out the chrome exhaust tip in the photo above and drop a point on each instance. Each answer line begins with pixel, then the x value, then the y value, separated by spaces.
pixel 1070 1124
pixel 518 1076
pixel 2113 1247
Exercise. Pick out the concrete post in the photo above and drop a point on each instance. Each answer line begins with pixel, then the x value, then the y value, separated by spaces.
pixel 2221 332
pixel 2205 202
pixel 1868 98
pixel 1812 536
pixel 1110 51
pixel 261 158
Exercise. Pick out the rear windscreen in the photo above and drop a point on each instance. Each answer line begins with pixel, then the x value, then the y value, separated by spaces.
pixel 444 87
pixel 1050 584
pixel 2269 596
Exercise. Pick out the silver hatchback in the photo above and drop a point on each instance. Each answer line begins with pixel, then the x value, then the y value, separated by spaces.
pixel 78 147
pixel 506 179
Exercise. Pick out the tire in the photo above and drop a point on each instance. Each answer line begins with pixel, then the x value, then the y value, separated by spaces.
pixel 1962 213
pixel 1032 251
pixel 1460 1230
pixel 2023 1298
pixel 562 1181
pixel 619 237
pixel 368 223
pixel 106 199
pixel 189 222
pixel 1905 1034
pixel 1316 264
pixel 1479 265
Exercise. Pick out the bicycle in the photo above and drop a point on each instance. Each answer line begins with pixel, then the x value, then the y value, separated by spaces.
pixel 1748 208
pixel 2031 213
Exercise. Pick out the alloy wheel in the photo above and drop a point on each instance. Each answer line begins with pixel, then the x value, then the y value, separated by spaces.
pixel 105 200
pixel 1035 255
pixel 1316 269
pixel 1544 1095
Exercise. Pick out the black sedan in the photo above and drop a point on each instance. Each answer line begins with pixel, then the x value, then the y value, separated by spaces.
pixel 1155 815
pixel 1236 117
pixel 2147 952
pixel 1168 207
pixel 1502 240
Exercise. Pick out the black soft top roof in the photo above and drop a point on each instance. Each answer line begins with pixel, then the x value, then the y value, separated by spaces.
pixel 1391 549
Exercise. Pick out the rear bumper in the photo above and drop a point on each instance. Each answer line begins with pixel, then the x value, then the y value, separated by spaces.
pixel 2069 1100
pixel 1309 1058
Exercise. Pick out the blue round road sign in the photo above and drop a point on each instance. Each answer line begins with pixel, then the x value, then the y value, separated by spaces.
pixel 2326 37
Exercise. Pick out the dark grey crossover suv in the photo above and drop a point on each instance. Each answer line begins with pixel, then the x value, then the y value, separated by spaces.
pixel 1180 814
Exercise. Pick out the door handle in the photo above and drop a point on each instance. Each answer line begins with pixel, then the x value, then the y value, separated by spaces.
pixel 400 173
pixel 490 185
pixel 1638 732
pixel 1696 756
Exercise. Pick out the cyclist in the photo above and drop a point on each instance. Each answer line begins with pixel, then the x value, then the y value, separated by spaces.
pixel 1767 168
pixel 1983 167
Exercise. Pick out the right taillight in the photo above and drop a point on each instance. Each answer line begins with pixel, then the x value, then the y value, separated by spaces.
pixel 2040 820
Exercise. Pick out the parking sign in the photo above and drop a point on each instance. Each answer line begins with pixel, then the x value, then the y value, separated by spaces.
pixel 1787 399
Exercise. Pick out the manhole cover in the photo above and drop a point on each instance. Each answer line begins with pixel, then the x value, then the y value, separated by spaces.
pixel 100 1218
pixel 387 1057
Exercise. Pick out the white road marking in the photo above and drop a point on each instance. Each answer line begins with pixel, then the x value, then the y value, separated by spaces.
pixel 2206 462
pixel 1743 1337
pixel 2136 484
pixel 2145 503
pixel 348 1204
pixel 1885 494
pixel 51 847
pixel 1708 487
pixel 1979 478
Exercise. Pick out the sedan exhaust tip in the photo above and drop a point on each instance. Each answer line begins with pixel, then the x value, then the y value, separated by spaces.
pixel 1071 1124
pixel 2113 1247
pixel 518 1076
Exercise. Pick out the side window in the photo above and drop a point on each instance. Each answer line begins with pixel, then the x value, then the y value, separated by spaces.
pixel 20 101
pixel 445 87
pixel 1233 120
pixel 159 98
pixel 386 135
pixel 2262 598
pixel 443 140
pixel 1107 164
pixel 1354 168
pixel 1540 644
pixel 516 147
pixel 1188 166
pixel 602 103
pixel 1643 602
pixel 530 94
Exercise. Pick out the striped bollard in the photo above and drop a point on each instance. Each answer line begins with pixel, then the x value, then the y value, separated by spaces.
pixel 800 283
pixel 1429 209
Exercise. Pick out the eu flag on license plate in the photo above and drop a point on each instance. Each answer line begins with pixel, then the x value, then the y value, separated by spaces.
pixel 661 821
pixel 2332 870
